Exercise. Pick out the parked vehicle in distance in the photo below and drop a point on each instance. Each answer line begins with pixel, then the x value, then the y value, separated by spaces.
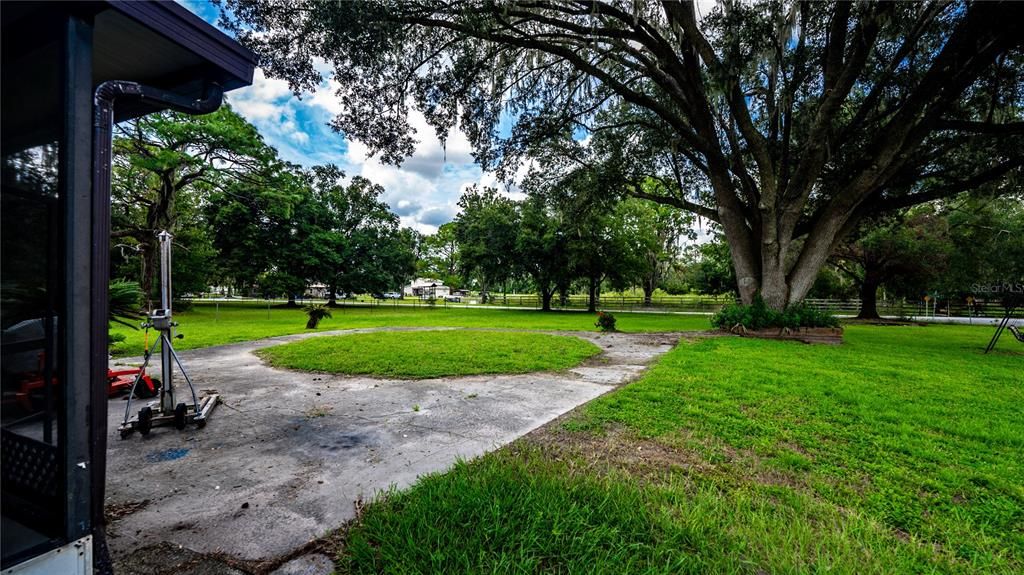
pixel 392 295
pixel 453 298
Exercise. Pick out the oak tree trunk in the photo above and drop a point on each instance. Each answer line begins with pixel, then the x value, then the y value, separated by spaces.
pixel 148 255
pixel 546 295
pixel 869 299
pixel 332 300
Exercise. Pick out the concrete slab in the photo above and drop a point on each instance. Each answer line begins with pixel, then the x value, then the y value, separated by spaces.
pixel 166 558
pixel 288 454
pixel 315 564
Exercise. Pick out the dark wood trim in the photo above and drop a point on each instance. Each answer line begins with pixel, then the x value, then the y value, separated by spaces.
pixel 196 35
pixel 78 322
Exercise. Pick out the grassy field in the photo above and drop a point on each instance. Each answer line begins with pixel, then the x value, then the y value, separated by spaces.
pixel 901 451
pixel 209 324
pixel 423 354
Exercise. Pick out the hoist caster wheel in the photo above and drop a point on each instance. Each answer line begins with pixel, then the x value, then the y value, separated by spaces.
pixel 145 423
pixel 126 432
pixel 179 416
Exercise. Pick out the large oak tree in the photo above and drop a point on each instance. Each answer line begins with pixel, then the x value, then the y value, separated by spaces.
pixel 785 122
pixel 165 164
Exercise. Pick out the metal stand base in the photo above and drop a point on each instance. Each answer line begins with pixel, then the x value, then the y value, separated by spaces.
pixel 183 415
pixel 161 412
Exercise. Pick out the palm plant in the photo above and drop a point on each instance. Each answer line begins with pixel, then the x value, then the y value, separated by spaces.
pixel 124 297
pixel 315 312
pixel 124 302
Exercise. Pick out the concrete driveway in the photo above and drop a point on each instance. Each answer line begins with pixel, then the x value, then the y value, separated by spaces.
pixel 286 456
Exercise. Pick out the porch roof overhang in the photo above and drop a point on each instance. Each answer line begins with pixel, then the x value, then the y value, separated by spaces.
pixel 159 44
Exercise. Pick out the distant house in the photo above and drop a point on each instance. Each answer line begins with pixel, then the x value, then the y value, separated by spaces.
pixel 318 291
pixel 427 288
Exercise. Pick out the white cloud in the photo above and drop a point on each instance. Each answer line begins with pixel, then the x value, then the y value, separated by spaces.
pixel 424 191
pixel 326 97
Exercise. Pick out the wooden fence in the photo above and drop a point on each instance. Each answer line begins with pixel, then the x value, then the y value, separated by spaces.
pixel 689 304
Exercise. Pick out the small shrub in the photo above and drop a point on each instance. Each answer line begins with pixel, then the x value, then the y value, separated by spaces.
pixel 124 297
pixel 315 312
pixel 759 316
pixel 802 315
pixel 605 321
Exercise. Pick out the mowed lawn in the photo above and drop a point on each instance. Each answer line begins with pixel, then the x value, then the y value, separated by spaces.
pixel 208 324
pixel 901 451
pixel 435 353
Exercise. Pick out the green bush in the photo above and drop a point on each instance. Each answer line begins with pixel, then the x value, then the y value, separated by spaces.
pixel 605 321
pixel 759 316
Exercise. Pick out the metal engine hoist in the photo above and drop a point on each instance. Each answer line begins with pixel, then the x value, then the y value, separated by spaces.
pixel 166 410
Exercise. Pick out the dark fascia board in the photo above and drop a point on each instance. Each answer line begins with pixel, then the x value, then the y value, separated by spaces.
pixel 175 22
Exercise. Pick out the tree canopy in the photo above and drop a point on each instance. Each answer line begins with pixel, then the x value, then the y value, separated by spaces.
pixel 784 122
pixel 244 218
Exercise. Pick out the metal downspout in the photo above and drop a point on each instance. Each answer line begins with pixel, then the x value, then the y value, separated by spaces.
pixel 104 98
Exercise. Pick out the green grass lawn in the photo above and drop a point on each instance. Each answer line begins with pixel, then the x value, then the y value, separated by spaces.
pixel 423 354
pixel 208 324
pixel 901 451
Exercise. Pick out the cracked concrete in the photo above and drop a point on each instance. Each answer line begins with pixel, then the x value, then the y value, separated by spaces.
pixel 287 455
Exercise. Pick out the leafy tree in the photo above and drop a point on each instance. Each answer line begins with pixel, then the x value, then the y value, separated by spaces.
pixel 908 251
pixel 833 284
pixel 712 272
pixel 397 254
pixel 785 122
pixel 195 260
pixel 352 240
pixel 486 231
pixel 163 163
pixel 542 248
pixel 596 248
pixel 649 237
pixel 250 226
pixel 987 258
pixel 440 256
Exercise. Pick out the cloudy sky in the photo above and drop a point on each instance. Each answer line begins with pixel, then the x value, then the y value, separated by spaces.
pixel 423 191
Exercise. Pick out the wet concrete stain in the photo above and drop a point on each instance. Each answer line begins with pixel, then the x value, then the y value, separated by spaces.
pixel 345 441
pixel 166 455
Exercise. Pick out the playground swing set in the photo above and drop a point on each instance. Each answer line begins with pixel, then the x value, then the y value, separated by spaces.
pixel 1005 325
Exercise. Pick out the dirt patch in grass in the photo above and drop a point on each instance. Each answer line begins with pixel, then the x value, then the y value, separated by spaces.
pixel 616 448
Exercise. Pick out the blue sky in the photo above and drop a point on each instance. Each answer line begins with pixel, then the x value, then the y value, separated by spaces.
pixel 423 191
